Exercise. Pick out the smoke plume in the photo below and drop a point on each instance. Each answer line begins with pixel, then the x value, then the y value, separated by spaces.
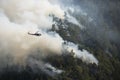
pixel 18 17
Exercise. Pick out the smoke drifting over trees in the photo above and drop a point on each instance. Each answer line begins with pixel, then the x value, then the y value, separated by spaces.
pixel 74 35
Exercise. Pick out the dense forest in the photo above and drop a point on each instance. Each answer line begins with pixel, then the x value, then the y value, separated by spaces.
pixel 99 38
pixel 74 69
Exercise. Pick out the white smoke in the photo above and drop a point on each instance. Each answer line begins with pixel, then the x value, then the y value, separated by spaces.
pixel 17 17
pixel 33 11
pixel 74 21
pixel 84 55
pixel 45 67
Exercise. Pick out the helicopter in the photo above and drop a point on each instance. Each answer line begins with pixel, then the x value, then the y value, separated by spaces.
pixel 35 34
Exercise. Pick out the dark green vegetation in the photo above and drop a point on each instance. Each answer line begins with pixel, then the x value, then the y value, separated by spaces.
pixel 74 69
pixel 96 38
